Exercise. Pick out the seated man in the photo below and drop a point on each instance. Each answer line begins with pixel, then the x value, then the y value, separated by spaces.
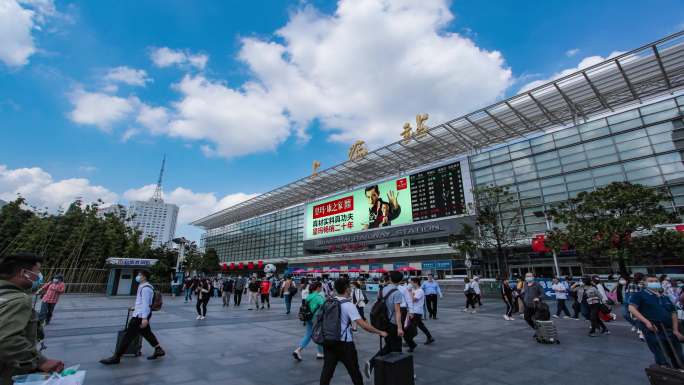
pixel 658 321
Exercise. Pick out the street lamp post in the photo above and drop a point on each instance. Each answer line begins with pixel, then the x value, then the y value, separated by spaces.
pixel 547 219
pixel 181 242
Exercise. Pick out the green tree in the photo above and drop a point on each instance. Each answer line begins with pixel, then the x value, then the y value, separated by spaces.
pixel 464 243
pixel 210 261
pixel 498 221
pixel 659 245
pixel 599 224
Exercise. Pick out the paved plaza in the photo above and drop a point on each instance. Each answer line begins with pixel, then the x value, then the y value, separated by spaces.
pixel 240 347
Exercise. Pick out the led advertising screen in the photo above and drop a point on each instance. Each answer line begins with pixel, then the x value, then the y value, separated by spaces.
pixel 430 194
pixel 376 206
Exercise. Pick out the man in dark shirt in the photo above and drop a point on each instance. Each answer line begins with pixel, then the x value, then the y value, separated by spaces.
pixel 658 321
pixel 227 291
pixel 377 216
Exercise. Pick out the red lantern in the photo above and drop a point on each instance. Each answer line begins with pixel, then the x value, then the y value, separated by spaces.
pixel 260 264
pixel 224 266
pixel 250 265
pixel 241 266
pixel 232 265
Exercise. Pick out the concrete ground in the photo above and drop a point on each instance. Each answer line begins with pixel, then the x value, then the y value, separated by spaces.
pixel 240 347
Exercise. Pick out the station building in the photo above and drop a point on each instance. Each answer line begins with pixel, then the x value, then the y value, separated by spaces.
pixel 394 207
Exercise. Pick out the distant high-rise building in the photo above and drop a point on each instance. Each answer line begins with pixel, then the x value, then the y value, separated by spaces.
pixel 2 203
pixel 154 218
pixel 117 210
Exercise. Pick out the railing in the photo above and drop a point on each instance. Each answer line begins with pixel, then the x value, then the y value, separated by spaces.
pixel 86 288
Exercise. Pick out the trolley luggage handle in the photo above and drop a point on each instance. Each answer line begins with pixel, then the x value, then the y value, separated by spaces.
pixel 672 348
pixel 128 316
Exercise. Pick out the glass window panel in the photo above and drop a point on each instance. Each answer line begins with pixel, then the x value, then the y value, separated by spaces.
pixel 581 185
pixel 552 181
pixel 526 177
pixel 543 147
pixel 571 150
pixel 639 164
pixel 669 158
pixel 521 153
pixel 627 115
pixel 617 169
pixel 604 180
pixel 574 157
pixel 499 151
pixel 626 125
pixel 629 136
pixel 662 127
pixel 522 162
pixel 548 164
pixel 677 176
pixel 502 167
pixel 528 185
pixel 567 141
pixel 643 151
pixel 482 172
pixel 501 158
pixel 652 181
pixel 638 174
pixel 657 107
pixel 503 174
pixel 598 143
pixel 575 166
pixel 531 201
pixel 663 147
pixel 519 146
pixel 595 133
pixel 504 181
pixel 661 138
pixel 593 125
pixel 541 139
pixel 549 171
pixel 556 197
pixel 553 189
pixel 546 156
pixel 672 167
pixel 677 190
pixel 578 176
pixel 603 160
pixel 564 133
pixel 660 116
pixel 524 169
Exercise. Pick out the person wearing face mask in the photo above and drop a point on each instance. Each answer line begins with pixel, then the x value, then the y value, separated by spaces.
pixel 593 298
pixel 561 290
pixel 658 320
pixel 19 274
pixel 532 292
pixel 140 322
pixel 51 292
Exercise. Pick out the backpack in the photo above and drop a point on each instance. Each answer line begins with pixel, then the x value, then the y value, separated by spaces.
pixel 292 289
pixel 157 300
pixel 541 312
pixel 378 313
pixel 327 329
pixel 305 313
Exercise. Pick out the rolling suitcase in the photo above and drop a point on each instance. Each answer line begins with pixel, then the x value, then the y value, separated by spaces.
pixel 135 347
pixel 659 375
pixel 546 332
pixel 393 369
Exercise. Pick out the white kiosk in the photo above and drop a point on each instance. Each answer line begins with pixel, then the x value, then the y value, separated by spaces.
pixel 122 274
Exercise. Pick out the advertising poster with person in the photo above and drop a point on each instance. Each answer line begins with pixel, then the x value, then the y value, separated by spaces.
pixel 374 207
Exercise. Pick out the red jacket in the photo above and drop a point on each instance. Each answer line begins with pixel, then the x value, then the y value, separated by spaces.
pixel 265 287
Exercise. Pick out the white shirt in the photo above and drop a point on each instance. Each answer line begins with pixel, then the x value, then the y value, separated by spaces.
pixel 357 294
pixel 143 301
pixel 305 292
pixel 418 301
pixel 405 296
pixel 349 314
pixel 561 290
pixel 476 286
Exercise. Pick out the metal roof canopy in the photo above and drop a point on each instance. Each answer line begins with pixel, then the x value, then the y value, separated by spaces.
pixel 645 72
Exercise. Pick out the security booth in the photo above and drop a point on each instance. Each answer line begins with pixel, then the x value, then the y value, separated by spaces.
pixel 122 274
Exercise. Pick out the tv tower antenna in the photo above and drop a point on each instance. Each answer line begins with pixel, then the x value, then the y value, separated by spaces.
pixel 157 196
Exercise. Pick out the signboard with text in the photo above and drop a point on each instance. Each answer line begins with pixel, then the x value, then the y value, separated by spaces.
pixel 426 195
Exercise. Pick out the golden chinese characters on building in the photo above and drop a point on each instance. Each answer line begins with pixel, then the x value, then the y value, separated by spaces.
pixel 358 150
pixel 316 167
pixel 421 128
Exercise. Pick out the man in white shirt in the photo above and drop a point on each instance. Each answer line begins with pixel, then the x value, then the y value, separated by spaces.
pixel 140 322
pixel 561 290
pixel 415 316
pixel 475 284
pixel 345 350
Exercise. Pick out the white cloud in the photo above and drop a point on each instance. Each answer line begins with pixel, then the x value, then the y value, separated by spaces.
pixel 16 41
pixel 572 52
pixel 127 75
pixel 100 109
pixel 192 205
pixel 156 119
pixel 584 63
pixel 41 190
pixel 166 57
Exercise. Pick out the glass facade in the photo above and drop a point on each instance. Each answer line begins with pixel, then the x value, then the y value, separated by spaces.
pixel 642 145
pixel 275 235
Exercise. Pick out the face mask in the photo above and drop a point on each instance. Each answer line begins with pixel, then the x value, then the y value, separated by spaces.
pixel 55 280
pixel 653 285
pixel 529 279
pixel 622 282
pixel 137 278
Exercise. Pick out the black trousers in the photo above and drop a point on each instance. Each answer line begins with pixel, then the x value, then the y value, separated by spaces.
pixel 265 299
pixel 344 352
pixel 202 306
pixel 529 312
pixel 431 303
pixel 133 331
pixel 392 343
pixel 509 305
pixel 560 307
pixel 46 310
pixel 470 300
pixel 596 322
pixel 237 297
pixel 416 323
pixel 360 309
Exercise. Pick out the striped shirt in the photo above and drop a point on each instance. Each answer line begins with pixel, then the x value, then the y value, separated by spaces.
pixel 52 292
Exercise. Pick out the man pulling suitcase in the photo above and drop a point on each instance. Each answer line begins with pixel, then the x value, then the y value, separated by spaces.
pixel 140 323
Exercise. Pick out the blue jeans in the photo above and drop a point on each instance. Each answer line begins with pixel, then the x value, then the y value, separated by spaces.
pixel 288 303
pixel 307 337
pixel 654 346
pixel 627 315
pixel 188 294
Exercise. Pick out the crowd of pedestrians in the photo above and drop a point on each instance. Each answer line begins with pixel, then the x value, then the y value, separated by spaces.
pixel 652 305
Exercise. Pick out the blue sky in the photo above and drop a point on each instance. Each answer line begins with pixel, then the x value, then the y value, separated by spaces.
pixel 243 95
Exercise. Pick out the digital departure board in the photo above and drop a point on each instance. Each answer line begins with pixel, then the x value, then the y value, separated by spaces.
pixel 437 193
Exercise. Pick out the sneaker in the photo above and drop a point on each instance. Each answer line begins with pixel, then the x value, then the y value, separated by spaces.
pixel 430 341
pixel 506 317
pixel 113 360
pixel 297 355
pixel 634 329
pixel 465 310
pixel 158 352
pixel 565 317
pixel 203 317
pixel 473 312
pixel 319 356
pixel 367 370
pixel 641 335
pixel 593 334
pixel 511 319
pixel 554 316
pixel 606 332
pixel 199 317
